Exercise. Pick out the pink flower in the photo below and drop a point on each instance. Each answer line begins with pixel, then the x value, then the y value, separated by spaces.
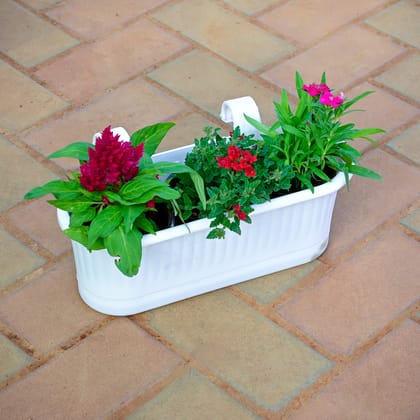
pixel 316 89
pixel 110 162
pixel 329 99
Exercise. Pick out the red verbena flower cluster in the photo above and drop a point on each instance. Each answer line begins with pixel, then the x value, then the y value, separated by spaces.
pixel 325 96
pixel 238 160
pixel 241 214
pixel 110 162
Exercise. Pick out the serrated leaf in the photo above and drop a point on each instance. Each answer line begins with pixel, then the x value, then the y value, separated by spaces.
pixel 104 223
pixel 77 150
pixel 127 247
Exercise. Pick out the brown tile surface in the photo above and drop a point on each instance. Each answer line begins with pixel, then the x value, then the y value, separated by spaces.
pixel 80 125
pixel 76 384
pixel 400 20
pixel 383 384
pixel 267 288
pixel 39 303
pixel 403 78
pixel 185 131
pixel 380 109
pixel 354 301
pixel 209 89
pixel 35 41
pixel 19 174
pixel 70 68
pixel 412 221
pixel 225 33
pixel 110 61
pixel 192 397
pixel 16 260
pixel 260 359
pixel 39 220
pixel 307 21
pixel 369 203
pixel 408 144
pixel 341 68
pixel 12 358
pixel 27 102
pixel 93 18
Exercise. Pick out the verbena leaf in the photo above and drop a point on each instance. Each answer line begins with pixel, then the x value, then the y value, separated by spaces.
pixel 77 150
pixel 151 135
pixel 104 223
pixel 127 247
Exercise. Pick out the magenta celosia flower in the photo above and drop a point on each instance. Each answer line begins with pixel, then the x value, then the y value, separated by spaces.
pixel 110 162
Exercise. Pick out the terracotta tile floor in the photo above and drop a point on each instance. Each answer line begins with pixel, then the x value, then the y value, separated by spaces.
pixel 338 338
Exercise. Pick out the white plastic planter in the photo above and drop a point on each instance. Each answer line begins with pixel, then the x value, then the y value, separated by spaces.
pixel 180 262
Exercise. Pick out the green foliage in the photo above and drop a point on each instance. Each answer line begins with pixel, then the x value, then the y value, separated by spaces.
pixel 312 140
pixel 304 147
pixel 116 218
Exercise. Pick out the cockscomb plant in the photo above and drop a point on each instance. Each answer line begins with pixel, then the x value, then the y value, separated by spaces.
pixel 302 149
pixel 120 193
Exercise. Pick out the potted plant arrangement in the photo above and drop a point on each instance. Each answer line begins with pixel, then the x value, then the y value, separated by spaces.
pixel 145 226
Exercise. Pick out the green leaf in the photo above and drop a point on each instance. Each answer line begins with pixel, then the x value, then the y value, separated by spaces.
pixel 145 224
pixel 292 130
pixel 77 150
pixel 104 223
pixel 143 190
pixel 79 205
pixel 80 234
pixel 78 219
pixel 53 187
pixel 151 135
pixel 265 129
pixel 127 247
pixel 130 214
pixel 362 171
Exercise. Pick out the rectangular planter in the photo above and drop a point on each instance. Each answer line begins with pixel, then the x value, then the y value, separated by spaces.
pixel 180 262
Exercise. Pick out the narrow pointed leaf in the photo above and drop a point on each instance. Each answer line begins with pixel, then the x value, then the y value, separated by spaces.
pixel 151 135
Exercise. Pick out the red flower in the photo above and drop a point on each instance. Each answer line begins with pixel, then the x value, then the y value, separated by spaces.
pixel 110 162
pixel 316 89
pixel 241 214
pixel 238 160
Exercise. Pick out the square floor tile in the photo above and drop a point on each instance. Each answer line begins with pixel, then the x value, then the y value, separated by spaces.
pixel 400 20
pixel 16 259
pixel 255 356
pixel 408 143
pixel 12 358
pixel 35 41
pixel 227 34
pixel 404 77
pixel 26 102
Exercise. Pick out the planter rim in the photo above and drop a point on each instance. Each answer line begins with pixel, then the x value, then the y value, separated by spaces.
pixel 202 224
